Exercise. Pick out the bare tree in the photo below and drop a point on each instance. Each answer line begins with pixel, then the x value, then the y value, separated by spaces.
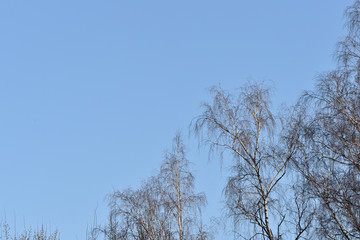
pixel 244 125
pixel 165 207
pixel 27 234
pixel 348 52
pixel 329 140
pixel 329 159
pixel 139 214
pixel 179 184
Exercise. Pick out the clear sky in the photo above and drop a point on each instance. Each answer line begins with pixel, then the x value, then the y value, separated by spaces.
pixel 92 92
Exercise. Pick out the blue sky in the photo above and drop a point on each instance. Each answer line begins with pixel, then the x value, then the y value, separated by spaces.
pixel 92 92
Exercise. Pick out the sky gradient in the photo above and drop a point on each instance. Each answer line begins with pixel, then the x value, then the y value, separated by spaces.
pixel 92 92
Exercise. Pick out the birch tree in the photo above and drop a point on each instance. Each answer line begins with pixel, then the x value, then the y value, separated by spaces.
pixel 243 125
pixel 329 142
pixel 165 207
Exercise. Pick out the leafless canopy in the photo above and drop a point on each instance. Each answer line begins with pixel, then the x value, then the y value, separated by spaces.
pixel 244 125
pixel 27 234
pixel 329 142
pixel 165 207
pixel 329 159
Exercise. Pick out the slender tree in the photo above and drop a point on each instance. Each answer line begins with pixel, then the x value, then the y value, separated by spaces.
pixel 244 125
pixel 329 140
pixel 165 207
